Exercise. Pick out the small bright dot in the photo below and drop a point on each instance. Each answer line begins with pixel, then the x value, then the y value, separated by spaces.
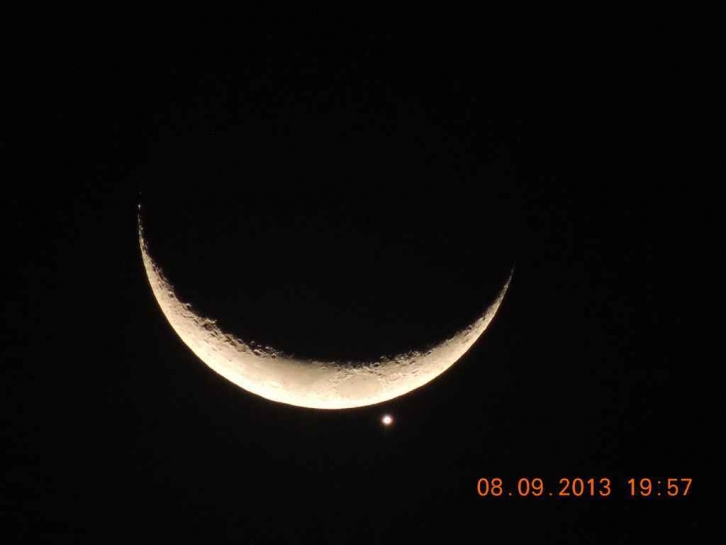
pixel 387 420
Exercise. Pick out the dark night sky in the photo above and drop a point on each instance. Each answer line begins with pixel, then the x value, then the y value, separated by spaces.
pixel 353 200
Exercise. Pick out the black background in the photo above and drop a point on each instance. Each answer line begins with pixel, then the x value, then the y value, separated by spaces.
pixel 346 197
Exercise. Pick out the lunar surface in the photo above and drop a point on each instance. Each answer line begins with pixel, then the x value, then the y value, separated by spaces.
pixel 309 383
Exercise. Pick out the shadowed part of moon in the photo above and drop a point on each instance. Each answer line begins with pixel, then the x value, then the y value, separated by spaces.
pixel 309 383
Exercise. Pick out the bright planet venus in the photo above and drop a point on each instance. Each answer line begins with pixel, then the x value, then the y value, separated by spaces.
pixel 311 383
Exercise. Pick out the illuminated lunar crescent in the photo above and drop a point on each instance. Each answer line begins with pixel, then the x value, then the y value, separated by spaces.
pixel 308 383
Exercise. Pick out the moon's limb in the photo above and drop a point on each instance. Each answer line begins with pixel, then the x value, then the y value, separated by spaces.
pixel 308 383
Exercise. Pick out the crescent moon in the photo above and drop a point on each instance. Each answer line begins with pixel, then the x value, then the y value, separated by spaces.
pixel 313 384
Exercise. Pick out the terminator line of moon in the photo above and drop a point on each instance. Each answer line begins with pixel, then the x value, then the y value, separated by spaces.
pixel 310 383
